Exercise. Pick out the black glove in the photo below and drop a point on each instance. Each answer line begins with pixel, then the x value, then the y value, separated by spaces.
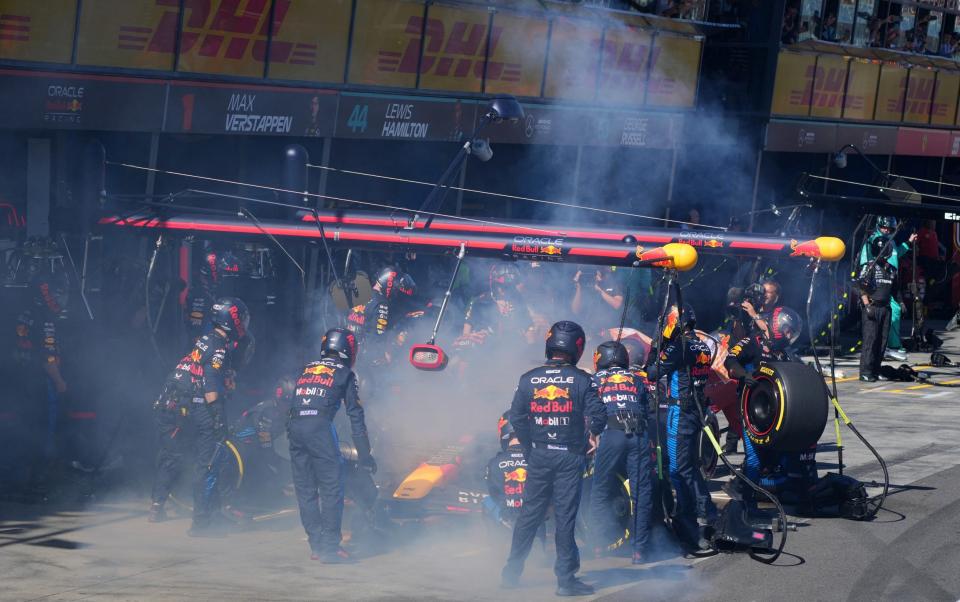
pixel 870 312
pixel 217 416
pixel 749 381
pixel 369 464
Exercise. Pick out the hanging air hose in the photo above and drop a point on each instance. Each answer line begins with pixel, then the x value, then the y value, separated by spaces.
pixel 716 445
pixel 874 503
pixel 146 298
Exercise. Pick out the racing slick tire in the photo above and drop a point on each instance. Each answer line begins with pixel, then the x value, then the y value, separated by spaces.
pixel 232 469
pixel 787 408
pixel 708 454
pixel 620 508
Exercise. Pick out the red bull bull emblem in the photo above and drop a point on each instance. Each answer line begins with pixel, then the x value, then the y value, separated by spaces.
pixel 519 475
pixel 551 392
pixel 713 243
pixel 551 250
pixel 805 249
pixel 620 378
pixel 703 359
pixel 319 370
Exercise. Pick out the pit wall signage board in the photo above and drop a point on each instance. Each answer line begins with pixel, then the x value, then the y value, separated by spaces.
pixel 822 137
pixel 559 125
pixel 37 30
pixel 265 111
pixel 572 54
pixel 35 100
pixel 404 118
pixel 843 88
pixel 308 38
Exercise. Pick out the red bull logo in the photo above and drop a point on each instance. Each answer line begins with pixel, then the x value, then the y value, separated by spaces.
pixel 713 243
pixel 519 475
pixel 551 392
pixel 703 359
pixel 805 249
pixel 319 370
pixel 551 250
pixel 620 378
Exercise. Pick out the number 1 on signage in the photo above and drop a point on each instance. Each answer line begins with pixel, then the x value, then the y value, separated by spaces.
pixel 358 119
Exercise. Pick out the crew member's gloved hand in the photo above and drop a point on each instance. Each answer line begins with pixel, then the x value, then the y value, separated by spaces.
pixel 217 416
pixel 369 464
pixel 870 312
pixel 749 381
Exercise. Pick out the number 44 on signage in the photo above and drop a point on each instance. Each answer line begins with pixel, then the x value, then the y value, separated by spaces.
pixel 358 119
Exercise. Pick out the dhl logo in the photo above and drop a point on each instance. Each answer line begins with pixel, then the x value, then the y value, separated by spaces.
pixel 620 378
pixel 519 475
pixel 551 392
pixel 824 88
pixel 219 28
pixel 625 64
pixel 319 370
pixel 459 53
pixel 15 28
pixel 918 98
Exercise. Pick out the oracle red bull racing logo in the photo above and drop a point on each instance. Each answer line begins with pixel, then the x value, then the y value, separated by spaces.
pixel 805 249
pixel 551 394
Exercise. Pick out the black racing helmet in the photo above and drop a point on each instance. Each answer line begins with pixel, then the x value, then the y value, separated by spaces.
pixel 566 337
pixel 887 222
pixel 504 278
pixel 505 430
pixel 685 318
pixel 880 249
pixel 340 342
pixel 286 387
pixel 785 326
pixel 392 280
pixel 231 315
pixel 611 354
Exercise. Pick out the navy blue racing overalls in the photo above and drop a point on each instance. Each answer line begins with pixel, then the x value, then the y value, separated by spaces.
pixel 624 449
pixel 316 461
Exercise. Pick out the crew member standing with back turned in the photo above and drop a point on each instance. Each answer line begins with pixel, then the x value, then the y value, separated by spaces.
pixel 318 470
pixel 548 414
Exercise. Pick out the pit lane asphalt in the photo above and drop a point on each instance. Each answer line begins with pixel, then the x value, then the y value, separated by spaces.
pixel 910 552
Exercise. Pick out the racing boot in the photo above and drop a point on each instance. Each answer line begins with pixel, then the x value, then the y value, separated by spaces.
pixel 574 587
pixel 157 513
pixel 337 556
pixel 638 558
pixel 730 445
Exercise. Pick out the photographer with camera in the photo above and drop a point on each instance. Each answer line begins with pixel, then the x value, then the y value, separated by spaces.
pixel 624 445
pixel 759 301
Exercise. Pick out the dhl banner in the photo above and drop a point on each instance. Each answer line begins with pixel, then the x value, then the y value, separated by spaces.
pixel 919 95
pixel 627 55
pixel 674 71
pixel 945 98
pixel 860 100
pixel 137 34
pixel 454 48
pixel 793 85
pixel 890 93
pixel 573 59
pixel 37 30
pixel 518 50
pixel 310 40
pixel 386 43
pixel 829 81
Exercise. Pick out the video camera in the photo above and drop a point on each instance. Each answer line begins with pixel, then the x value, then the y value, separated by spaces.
pixel 753 293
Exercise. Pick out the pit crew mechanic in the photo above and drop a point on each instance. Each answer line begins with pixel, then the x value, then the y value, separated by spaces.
pixel 194 395
pixel 875 288
pixel 318 466
pixel 685 366
pixel 550 408
pixel 371 322
pixel 624 445
pixel 506 477
pixel 788 474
